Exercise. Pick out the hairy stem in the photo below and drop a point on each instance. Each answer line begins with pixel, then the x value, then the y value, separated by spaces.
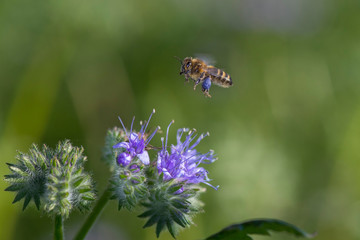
pixel 93 215
pixel 59 228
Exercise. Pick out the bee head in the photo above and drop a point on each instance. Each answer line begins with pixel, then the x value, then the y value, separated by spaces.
pixel 186 65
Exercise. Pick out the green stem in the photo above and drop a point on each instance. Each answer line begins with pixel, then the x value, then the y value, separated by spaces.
pixel 93 215
pixel 59 228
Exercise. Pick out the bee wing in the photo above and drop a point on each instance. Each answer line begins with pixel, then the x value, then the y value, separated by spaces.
pixel 213 71
pixel 207 58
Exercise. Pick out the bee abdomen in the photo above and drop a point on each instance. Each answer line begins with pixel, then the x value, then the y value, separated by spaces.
pixel 222 79
pixel 222 82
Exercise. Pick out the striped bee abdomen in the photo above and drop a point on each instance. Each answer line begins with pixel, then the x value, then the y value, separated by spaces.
pixel 219 77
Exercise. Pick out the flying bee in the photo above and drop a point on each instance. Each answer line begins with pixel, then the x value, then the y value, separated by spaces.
pixel 200 72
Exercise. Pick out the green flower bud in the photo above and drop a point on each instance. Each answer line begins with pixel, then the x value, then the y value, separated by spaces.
pixel 113 137
pixel 68 185
pixel 128 185
pixel 54 177
pixel 28 177
pixel 172 205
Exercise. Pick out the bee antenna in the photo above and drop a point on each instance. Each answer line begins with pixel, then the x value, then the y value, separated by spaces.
pixel 178 58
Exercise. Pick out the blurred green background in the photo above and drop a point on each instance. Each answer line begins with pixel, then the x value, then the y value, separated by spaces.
pixel 287 133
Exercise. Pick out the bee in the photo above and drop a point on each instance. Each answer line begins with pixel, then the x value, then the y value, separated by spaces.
pixel 200 72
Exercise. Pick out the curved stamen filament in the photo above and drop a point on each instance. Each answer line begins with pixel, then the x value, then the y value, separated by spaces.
pixel 124 127
pixel 132 123
pixel 147 123
pixel 167 133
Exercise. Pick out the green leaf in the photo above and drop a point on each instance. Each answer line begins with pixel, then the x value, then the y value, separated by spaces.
pixel 146 204
pixel 181 204
pixel 242 230
pixel 174 188
pixel 10 164
pixel 120 205
pixel 14 188
pixel 159 227
pixel 88 198
pixel 78 181
pixel 145 214
pixel 26 201
pixel 18 170
pixel 37 201
pixel 29 164
pixel 85 190
pixel 171 229
pixel 20 195
pixel 10 177
pixel 161 177
pixel 152 220
pixel 179 218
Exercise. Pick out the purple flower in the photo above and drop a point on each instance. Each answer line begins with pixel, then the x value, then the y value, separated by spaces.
pixel 135 144
pixel 183 161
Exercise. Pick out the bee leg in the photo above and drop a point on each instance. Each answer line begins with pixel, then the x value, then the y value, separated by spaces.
pixel 186 78
pixel 206 86
pixel 200 79
pixel 197 83
pixel 206 93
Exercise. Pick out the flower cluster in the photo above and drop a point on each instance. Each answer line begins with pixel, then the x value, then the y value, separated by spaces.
pixel 182 163
pixel 167 185
pixel 135 144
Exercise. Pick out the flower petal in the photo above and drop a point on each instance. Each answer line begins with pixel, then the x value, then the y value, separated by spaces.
pixel 122 145
pixel 144 157
pixel 140 146
pixel 133 137
pixel 167 175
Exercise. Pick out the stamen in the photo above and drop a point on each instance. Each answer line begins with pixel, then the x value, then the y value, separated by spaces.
pixel 198 140
pixel 216 188
pixel 124 127
pixel 132 124
pixel 152 135
pixel 167 132
pixel 147 123
pixel 189 139
pixel 162 141
pixel 180 133
pixel 192 131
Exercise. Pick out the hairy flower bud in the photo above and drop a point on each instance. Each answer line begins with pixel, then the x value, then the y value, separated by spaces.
pixel 168 207
pixel 54 177
pixel 68 185
pixel 28 177
pixel 128 185
pixel 113 137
